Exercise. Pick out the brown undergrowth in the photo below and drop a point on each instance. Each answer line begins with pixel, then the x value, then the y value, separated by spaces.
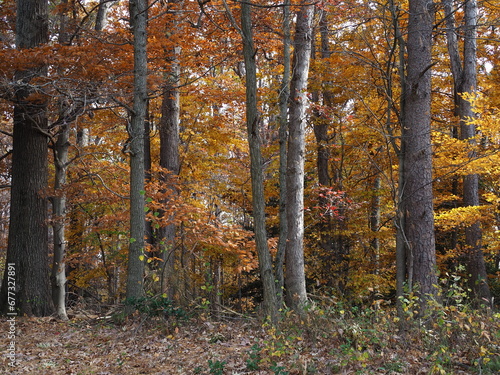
pixel 335 339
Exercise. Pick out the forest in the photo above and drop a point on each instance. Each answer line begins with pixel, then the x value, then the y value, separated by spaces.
pixel 267 187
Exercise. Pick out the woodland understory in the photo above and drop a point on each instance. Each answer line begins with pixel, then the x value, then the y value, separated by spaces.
pixel 333 339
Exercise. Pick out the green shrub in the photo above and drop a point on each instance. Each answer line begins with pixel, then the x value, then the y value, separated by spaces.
pixel 156 306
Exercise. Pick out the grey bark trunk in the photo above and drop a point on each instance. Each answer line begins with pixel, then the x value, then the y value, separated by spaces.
pixel 27 249
pixel 58 275
pixel 283 137
pixel 401 244
pixel 465 81
pixel 102 14
pixel 169 154
pixel 270 305
pixel 169 159
pixel 295 281
pixel 417 163
pixel 135 271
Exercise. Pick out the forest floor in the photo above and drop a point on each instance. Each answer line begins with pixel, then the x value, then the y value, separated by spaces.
pixel 364 342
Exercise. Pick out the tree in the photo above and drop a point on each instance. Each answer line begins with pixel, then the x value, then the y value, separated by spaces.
pixel 58 276
pixel 28 231
pixel 323 156
pixel 295 281
pixel 169 147
pixel 60 151
pixel 465 84
pixel 417 194
pixel 102 14
pixel 135 272
pixel 283 143
pixel 253 122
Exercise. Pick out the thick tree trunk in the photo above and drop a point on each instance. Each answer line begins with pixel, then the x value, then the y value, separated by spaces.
pixel 270 304
pixel 294 258
pixel 135 271
pixel 28 236
pixel 465 80
pixel 28 232
pixel 417 163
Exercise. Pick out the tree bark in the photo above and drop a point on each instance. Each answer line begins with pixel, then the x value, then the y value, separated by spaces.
pixel 135 271
pixel 58 276
pixel 465 82
pixel 101 19
pixel 270 305
pixel 169 159
pixel 375 214
pixel 295 281
pixel 283 137
pixel 417 163
pixel 401 243
pixel 28 231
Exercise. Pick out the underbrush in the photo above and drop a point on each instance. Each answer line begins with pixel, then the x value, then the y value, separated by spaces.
pixel 449 339
pixel 335 336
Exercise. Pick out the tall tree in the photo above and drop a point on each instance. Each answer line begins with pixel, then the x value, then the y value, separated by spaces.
pixel 253 122
pixel 321 127
pixel 399 45
pixel 169 147
pixel 295 281
pixel 135 271
pixel 60 152
pixel 283 141
pixel 465 82
pixel 58 276
pixel 417 195
pixel 28 232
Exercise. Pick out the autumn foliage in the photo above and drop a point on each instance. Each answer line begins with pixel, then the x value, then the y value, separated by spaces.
pixel 354 119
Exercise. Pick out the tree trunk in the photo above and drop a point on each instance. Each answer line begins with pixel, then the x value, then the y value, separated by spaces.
pixel 58 276
pixel 101 19
pixel 169 159
pixel 150 233
pixel 135 271
pixel 169 154
pixel 294 258
pixel 375 221
pixel 417 163
pixel 331 231
pixel 27 247
pixel 401 244
pixel 256 166
pixel 283 137
pixel 60 151
pixel 465 81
